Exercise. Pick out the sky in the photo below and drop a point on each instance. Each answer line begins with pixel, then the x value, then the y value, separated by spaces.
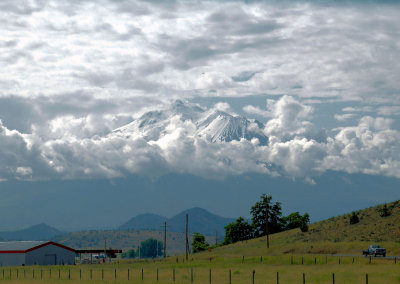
pixel 320 76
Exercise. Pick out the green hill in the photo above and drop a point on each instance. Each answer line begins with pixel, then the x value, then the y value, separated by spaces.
pixel 332 236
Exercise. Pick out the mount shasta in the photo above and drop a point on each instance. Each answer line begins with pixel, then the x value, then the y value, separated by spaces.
pixel 215 125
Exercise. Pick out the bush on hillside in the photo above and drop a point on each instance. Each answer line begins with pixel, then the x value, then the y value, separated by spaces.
pixel 354 218
pixel 385 211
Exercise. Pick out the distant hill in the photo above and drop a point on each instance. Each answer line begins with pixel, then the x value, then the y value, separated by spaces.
pixel 124 239
pixel 200 220
pixel 144 222
pixel 40 232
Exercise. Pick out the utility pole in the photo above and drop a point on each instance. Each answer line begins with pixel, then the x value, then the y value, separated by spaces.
pixel 216 237
pixel 165 238
pixel 266 220
pixel 105 250
pixel 187 236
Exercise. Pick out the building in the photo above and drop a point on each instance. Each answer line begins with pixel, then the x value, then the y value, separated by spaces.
pixel 35 253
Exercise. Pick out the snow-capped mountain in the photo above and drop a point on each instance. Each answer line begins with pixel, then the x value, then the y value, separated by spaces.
pixel 219 126
pixel 214 125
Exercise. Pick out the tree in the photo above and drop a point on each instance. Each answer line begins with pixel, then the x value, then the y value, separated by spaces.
pixel 385 211
pixel 295 220
pixel 150 248
pixel 128 254
pixel 237 231
pixel 354 218
pixel 199 243
pixel 258 211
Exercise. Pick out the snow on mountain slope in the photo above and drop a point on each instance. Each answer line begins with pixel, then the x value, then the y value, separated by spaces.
pixel 213 125
pixel 220 126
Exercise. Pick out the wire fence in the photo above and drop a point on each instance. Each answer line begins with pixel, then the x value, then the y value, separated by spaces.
pixel 193 274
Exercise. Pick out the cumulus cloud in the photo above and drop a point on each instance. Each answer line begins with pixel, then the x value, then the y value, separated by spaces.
pixel 79 147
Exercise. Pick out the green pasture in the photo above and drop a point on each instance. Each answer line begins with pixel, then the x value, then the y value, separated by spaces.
pixel 224 269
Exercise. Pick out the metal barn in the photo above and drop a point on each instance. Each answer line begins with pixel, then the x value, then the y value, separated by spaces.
pixel 35 253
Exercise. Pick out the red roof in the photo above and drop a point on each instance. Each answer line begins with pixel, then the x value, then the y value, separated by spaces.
pixel 37 247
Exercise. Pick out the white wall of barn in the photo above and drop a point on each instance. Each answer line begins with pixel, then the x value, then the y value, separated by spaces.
pixel 12 259
pixel 50 255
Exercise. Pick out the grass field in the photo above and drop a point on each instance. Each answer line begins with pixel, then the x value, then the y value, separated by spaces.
pixel 316 269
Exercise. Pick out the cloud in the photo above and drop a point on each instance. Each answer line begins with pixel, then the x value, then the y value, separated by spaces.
pixel 344 117
pixel 76 71
pixel 137 47
pixel 87 147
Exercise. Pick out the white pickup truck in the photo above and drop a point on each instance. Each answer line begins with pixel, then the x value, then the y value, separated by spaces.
pixel 375 250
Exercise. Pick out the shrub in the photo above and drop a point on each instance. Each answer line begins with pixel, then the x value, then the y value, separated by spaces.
pixel 354 218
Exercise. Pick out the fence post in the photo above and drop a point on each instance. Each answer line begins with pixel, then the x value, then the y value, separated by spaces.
pixel 304 278
pixel 366 278
pixel 50 273
pixel 143 273
pixel 173 274
pixel 395 259
pixel 339 260
pixel 315 260
pixel 302 260
pixel 333 278
pixel 69 274
pixel 230 276
pixel 210 275
pixel 115 274
pixel 128 273
pixel 277 277
pixel 254 272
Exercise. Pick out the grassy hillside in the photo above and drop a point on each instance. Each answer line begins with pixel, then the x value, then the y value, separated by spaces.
pixel 332 236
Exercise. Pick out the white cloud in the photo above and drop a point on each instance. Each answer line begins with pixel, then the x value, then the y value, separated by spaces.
pixel 80 147
pixel 344 117
pixel 119 49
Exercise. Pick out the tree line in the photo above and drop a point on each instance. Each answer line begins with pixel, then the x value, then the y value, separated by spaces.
pixel 241 229
pixel 150 248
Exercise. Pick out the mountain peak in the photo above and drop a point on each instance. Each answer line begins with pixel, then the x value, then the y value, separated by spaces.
pixel 214 125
